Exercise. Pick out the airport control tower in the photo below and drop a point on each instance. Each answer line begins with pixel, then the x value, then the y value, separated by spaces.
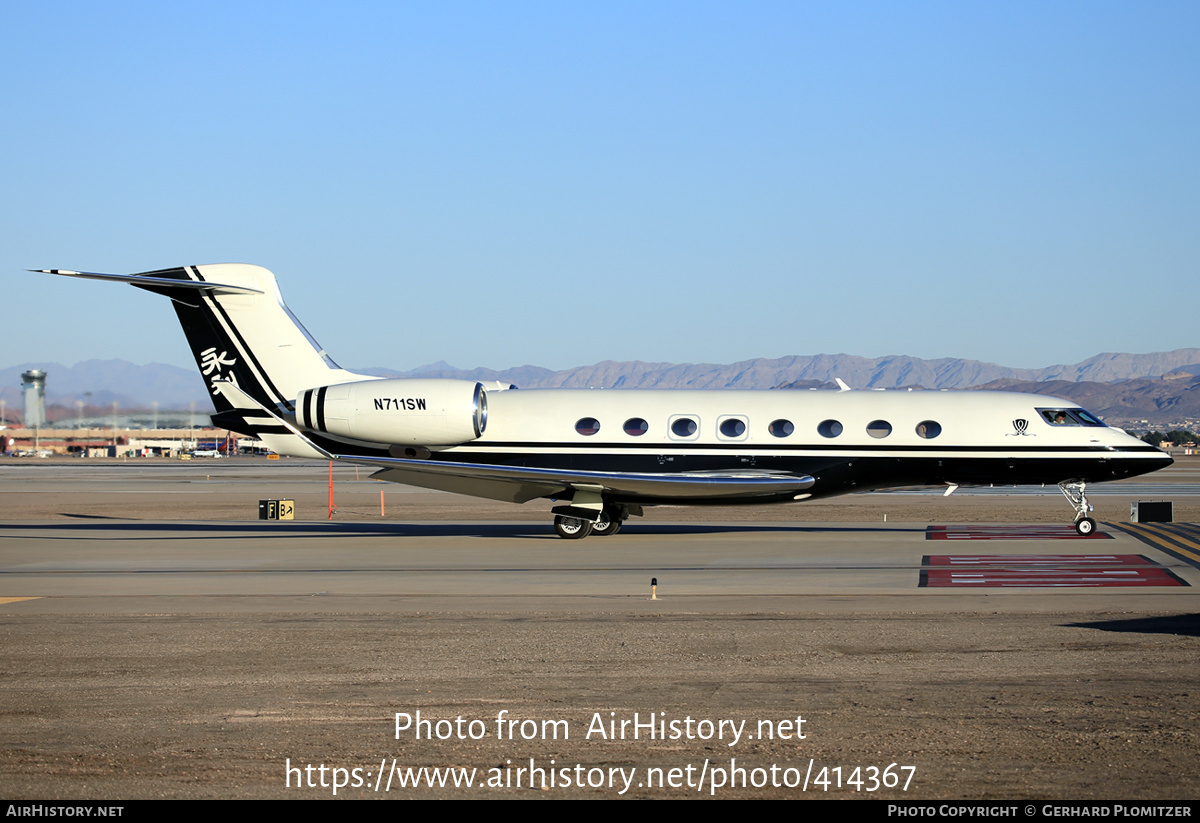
pixel 34 385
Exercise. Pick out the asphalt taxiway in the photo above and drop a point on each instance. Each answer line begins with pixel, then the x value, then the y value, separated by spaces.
pixel 729 567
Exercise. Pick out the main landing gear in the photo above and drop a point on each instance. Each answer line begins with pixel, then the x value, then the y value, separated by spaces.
pixel 608 522
pixel 1085 525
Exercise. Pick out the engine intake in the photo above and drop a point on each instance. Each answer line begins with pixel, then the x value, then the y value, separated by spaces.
pixel 416 412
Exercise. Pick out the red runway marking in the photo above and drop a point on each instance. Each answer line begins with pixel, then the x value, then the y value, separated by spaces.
pixel 1043 571
pixel 1046 531
pixel 1049 578
pixel 1036 560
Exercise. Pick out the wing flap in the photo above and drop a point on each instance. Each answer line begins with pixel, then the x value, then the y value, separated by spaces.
pixel 506 490
pixel 519 484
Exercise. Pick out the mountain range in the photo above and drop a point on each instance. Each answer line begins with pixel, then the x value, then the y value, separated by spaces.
pixel 888 372
pixel 1156 386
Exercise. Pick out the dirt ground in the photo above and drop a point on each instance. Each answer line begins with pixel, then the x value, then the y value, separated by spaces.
pixel 1070 706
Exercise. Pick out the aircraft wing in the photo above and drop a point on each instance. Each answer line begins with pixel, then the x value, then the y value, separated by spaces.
pixel 519 484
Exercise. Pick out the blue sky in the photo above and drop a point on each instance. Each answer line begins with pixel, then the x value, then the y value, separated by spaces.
pixel 494 184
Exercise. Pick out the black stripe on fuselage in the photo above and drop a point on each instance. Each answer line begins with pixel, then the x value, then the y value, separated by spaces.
pixel 814 447
pixel 837 473
pixel 305 409
pixel 321 407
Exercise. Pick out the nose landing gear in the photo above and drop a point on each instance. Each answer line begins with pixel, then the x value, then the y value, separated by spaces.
pixel 1074 492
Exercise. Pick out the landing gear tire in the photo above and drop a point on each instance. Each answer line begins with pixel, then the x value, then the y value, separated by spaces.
pixel 572 528
pixel 1086 526
pixel 608 524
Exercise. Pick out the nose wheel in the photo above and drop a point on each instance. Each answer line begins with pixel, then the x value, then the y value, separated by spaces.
pixel 1074 492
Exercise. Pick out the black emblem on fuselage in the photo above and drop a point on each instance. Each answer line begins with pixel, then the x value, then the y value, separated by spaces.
pixel 1019 428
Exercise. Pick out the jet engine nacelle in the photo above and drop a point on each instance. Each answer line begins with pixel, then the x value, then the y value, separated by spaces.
pixel 414 412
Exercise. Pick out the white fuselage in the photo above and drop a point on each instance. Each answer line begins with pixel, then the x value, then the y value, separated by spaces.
pixel 969 436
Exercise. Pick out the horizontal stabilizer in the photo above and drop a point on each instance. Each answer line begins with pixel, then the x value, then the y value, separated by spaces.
pixel 144 280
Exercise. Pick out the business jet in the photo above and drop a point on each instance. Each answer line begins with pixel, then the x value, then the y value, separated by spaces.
pixel 603 455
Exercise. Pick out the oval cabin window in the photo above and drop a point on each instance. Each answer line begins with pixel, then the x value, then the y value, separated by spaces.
pixel 732 427
pixel 587 426
pixel 684 427
pixel 879 429
pixel 829 428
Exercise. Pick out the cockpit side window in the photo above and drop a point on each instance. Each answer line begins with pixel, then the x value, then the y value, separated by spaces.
pixel 1058 417
pixel 1069 417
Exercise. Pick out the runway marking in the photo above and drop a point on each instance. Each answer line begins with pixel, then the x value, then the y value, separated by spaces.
pixel 4 601
pixel 1044 571
pixel 1181 540
pixel 1034 561
pixel 1032 531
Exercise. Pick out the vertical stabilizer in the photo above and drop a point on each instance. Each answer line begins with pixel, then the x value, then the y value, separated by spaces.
pixel 240 331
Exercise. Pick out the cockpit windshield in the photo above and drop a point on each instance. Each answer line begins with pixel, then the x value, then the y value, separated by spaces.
pixel 1069 417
